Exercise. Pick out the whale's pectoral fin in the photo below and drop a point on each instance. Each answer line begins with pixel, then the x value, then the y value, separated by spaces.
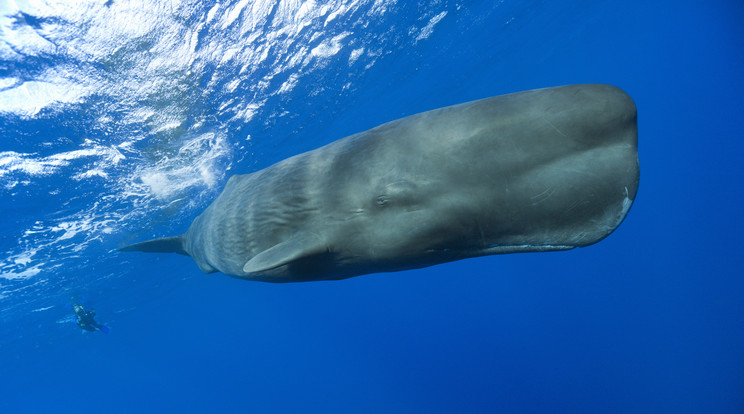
pixel 299 246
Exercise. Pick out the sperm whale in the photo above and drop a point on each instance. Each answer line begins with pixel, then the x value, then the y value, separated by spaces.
pixel 536 171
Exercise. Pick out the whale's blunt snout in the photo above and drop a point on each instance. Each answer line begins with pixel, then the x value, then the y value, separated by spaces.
pixel 611 106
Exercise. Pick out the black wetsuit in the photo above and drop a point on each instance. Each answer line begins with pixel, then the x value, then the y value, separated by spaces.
pixel 85 319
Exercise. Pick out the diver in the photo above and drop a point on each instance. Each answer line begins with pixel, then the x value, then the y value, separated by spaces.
pixel 86 319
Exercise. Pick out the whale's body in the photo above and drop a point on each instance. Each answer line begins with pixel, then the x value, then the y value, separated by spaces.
pixel 542 170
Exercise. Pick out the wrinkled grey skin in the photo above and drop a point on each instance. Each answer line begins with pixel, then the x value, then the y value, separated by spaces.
pixel 542 170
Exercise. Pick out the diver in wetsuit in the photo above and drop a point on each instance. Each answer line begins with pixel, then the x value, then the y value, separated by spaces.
pixel 86 319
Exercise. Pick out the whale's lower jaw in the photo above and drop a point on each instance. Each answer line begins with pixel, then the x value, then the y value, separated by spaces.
pixel 329 267
pixel 523 248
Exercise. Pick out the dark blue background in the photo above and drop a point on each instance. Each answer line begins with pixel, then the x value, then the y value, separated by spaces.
pixel 649 320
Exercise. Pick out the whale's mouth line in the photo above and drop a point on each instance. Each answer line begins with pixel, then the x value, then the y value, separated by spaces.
pixel 527 245
pixel 508 248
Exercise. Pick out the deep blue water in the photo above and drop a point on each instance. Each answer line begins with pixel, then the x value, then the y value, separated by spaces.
pixel 121 121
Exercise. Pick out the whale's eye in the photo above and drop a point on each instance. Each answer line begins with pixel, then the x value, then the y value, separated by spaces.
pixel 382 201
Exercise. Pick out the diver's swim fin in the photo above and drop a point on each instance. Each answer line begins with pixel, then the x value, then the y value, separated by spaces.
pixel 104 329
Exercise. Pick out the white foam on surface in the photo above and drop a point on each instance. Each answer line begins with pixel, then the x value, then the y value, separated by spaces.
pixel 427 30
pixel 355 55
pixel 329 47
pixel 18 266
pixel 193 166
pixel 31 164
pixel 30 97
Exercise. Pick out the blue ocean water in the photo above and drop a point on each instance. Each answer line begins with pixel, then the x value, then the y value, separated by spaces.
pixel 122 120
